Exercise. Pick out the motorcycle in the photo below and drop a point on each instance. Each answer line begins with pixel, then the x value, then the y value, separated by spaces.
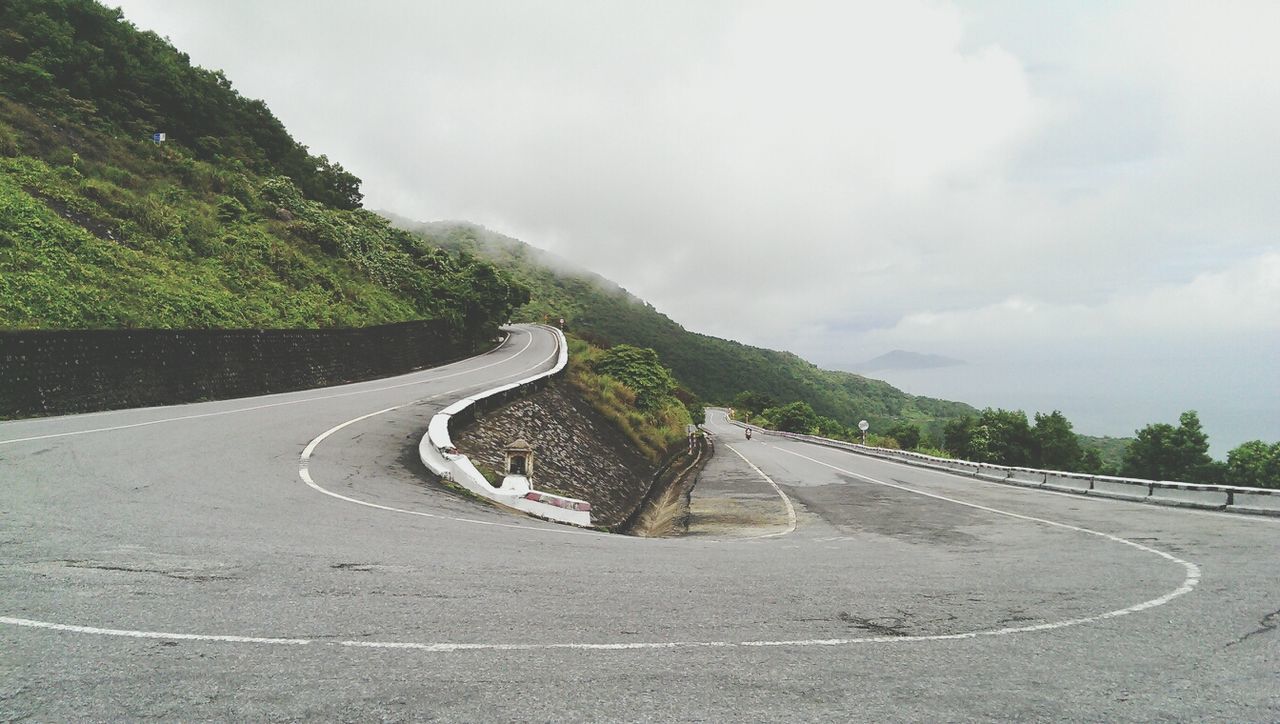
pixel 748 433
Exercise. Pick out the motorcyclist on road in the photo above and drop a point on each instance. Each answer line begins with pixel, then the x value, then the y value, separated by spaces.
pixel 748 433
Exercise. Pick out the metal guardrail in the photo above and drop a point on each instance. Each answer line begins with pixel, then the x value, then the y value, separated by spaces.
pixel 1229 498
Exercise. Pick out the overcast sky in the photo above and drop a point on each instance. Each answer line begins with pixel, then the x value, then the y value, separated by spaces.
pixel 1092 186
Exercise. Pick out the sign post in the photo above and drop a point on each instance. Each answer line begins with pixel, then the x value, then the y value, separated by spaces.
pixel 862 425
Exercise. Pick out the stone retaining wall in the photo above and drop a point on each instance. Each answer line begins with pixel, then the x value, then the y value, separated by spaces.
pixel 66 371
pixel 577 452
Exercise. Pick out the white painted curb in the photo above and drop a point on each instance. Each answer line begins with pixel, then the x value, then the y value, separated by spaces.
pixel 443 460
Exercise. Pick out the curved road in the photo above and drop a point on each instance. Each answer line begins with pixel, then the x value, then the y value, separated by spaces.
pixel 231 560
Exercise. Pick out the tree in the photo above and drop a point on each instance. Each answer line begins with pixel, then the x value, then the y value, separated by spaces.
pixel 957 435
pixel 1164 452
pixel 967 439
pixel 753 402
pixel 1011 441
pixel 1254 464
pixel 1055 446
pixel 332 184
pixel 640 369
pixel 980 444
pixel 697 410
pixel 795 417
pixel 906 433
pixel 828 427
pixel 1091 463
pixel 996 436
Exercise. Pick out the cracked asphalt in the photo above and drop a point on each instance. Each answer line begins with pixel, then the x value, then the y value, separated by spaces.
pixel 180 569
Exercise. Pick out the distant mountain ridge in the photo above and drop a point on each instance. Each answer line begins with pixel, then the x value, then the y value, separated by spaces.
pixel 715 369
pixel 901 359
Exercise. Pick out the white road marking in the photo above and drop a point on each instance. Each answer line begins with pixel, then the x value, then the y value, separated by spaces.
pixel 1188 584
pixel 252 408
pixel 791 511
pixel 128 633
pixel 304 473
pixel 304 462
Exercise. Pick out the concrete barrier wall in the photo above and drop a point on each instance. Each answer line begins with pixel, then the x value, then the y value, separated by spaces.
pixel 55 372
pixel 1252 500
pixel 1027 477
pixel 993 473
pixel 1231 498
pixel 1121 488
pixel 1069 482
pixel 443 460
pixel 1190 496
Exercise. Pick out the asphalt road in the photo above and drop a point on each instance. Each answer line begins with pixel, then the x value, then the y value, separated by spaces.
pixel 173 563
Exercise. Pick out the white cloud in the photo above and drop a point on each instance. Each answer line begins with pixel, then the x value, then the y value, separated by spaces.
pixel 825 177
pixel 1241 299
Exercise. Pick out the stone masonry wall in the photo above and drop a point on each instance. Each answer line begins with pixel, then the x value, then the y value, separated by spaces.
pixel 57 372
pixel 577 452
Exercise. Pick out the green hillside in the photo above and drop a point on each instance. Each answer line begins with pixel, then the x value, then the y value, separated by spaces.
pixel 229 222
pixel 716 369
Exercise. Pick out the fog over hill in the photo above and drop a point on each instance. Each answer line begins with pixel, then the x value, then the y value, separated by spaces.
pixel 715 369
pixel 900 359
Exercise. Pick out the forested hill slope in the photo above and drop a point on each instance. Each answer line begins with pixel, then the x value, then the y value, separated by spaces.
pixel 716 369
pixel 228 222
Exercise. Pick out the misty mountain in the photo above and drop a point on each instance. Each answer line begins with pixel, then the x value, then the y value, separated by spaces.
pixel 900 359
pixel 715 369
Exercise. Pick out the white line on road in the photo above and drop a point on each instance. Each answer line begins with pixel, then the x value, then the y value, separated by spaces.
pixel 304 461
pixel 252 408
pixel 128 633
pixel 791 511
pixel 1188 583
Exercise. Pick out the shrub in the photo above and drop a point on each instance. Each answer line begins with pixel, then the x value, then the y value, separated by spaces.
pixel 230 209
pixel 8 141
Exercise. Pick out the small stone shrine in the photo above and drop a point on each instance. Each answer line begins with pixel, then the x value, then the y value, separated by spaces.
pixel 519 465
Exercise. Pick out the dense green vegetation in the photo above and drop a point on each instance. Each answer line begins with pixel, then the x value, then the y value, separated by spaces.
pixel 85 60
pixel 1254 464
pixel 1005 437
pixel 715 369
pixel 1159 451
pixel 228 223
pixel 1164 452
pixel 634 391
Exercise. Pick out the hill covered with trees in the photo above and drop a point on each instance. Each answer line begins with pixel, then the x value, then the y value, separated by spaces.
pixel 716 370
pixel 227 222
pixel 781 390
pixel 1159 451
